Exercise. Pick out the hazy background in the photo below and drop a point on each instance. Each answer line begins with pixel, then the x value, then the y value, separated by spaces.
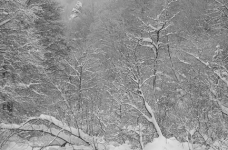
pixel 67 8
pixel 69 4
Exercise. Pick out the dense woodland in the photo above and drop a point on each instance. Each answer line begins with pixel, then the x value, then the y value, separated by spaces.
pixel 113 74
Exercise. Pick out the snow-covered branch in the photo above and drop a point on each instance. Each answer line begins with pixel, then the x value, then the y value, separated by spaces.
pixel 207 64
pixel 173 16
pixel 197 58
pixel 138 130
pixel 54 128
pixel 145 80
pixel 223 5
pixel 148 25
pixel 150 118
pixel 72 67
pixel 142 113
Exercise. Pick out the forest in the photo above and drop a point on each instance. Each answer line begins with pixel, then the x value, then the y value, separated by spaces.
pixel 113 75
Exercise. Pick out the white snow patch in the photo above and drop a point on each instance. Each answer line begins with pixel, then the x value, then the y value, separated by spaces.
pixel 161 143
pixel 125 146
pixel 147 39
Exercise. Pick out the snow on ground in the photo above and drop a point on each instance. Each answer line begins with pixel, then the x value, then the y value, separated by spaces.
pixel 161 143
pixel 125 146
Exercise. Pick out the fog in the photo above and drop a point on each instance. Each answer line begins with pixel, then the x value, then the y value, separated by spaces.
pixel 67 8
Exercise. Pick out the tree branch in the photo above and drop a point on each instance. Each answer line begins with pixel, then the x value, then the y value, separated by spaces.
pixel 5 21
pixel 58 129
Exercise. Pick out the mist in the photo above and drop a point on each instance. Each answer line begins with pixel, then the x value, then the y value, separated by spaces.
pixel 67 8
